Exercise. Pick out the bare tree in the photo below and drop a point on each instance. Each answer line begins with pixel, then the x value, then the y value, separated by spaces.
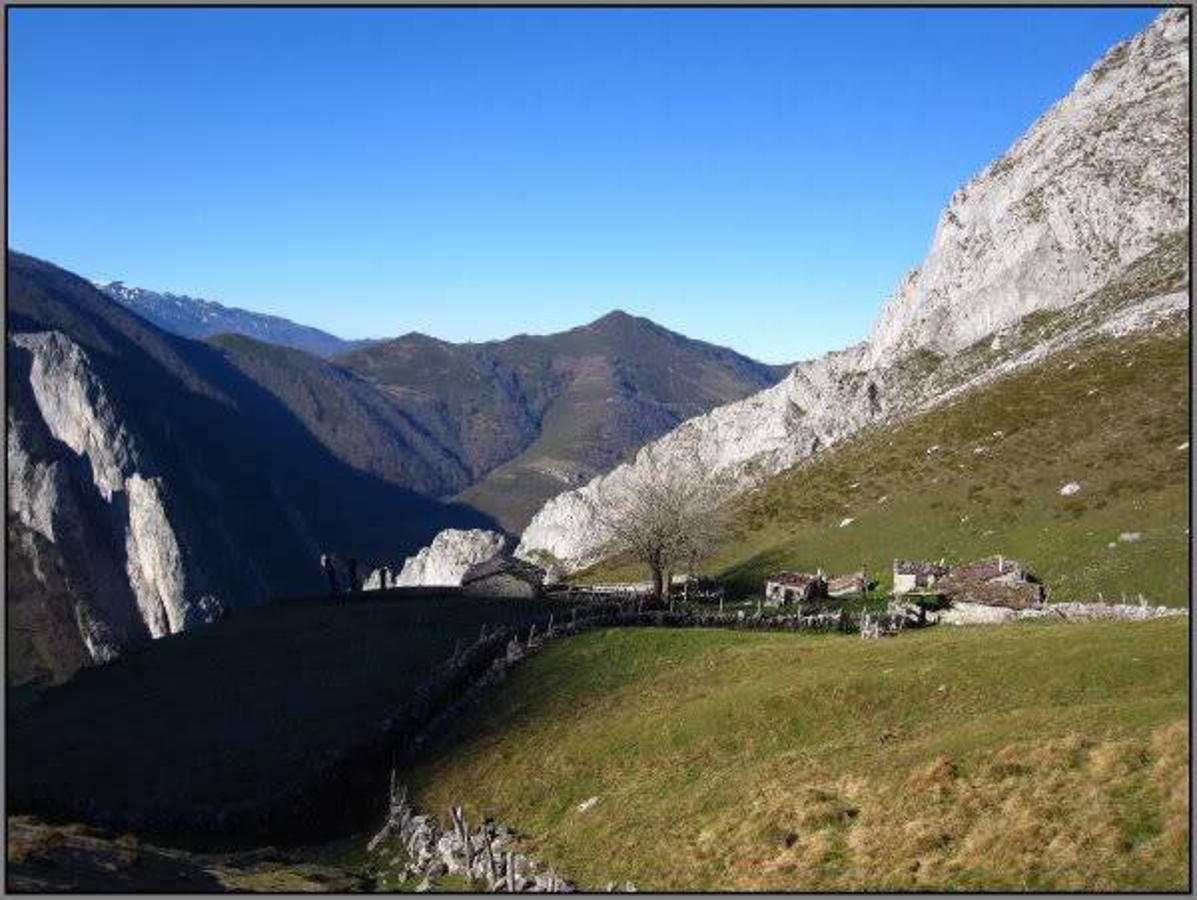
pixel 665 515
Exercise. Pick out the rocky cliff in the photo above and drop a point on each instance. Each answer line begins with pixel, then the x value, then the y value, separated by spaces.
pixel 153 481
pixel 78 413
pixel 1086 191
pixel 1080 227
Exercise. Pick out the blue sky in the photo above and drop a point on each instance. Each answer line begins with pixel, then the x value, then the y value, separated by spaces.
pixel 758 178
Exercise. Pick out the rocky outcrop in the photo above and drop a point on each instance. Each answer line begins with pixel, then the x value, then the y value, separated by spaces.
pixel 83 511
pixel 482 855
pixel 1083 224
pixel 446 559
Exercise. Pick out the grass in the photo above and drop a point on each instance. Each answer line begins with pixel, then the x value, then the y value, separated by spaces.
pixel 1043 756
pixel 1110 415
pixel 237 712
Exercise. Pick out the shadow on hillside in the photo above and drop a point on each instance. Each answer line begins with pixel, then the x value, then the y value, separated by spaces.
pixel 265 727
pixel 260 494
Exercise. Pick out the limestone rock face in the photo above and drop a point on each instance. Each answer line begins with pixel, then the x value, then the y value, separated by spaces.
pixel 1085 217
pixel 445 560
pixel 76 408
pixel 1090 188
pixel 100 556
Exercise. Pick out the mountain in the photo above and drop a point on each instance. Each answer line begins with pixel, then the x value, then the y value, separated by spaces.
pixel 537 414
pixel 394 438
pixel 197 318
pixel 154 480
pixel 1079 230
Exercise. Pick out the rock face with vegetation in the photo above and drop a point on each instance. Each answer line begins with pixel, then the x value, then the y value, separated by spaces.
pixel 1090 188
pixel 1080 229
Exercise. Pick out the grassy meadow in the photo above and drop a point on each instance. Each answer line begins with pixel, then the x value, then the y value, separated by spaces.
pixel 981 475
pixel 1034 756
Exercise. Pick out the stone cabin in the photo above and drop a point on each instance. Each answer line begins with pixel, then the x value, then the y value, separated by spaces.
pixel 912 575
pixel 503 576
pixel 794 587
pixel 847 585
pixel 996 568
pixel 996 581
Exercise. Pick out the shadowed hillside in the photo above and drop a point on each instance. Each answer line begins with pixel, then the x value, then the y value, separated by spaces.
pixel 187 478
pixel 539 414
pixel 257 707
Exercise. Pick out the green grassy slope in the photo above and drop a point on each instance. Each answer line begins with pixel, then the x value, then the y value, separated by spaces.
pixel 235 712
pixel 1029 756
pixel 1110 415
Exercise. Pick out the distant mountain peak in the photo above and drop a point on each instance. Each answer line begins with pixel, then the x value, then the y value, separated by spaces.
pixel 197 318
pixel 619 318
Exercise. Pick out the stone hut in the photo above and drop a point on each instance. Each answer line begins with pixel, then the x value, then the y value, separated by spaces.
pixel 995 568
pixel 794 587
pixel 912 575
pixel 996 581
pixel 847 585
pixel 503 576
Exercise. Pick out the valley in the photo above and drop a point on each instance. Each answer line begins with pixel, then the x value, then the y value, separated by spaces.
pixel 535 415
pixel 286 611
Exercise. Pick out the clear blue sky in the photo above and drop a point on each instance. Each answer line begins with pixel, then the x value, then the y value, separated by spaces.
pixel 759 178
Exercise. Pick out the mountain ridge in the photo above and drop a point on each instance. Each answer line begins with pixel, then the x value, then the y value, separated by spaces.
pixel 536 414
pixel 197 318
pixel 1001 235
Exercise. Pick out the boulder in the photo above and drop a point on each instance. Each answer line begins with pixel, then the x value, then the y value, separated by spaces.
pixel 443 562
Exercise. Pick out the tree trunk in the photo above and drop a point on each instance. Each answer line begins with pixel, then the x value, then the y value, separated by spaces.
pixel 658 575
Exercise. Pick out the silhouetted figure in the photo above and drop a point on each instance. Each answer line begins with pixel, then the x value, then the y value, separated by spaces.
pixel 386 577
pixel 330 572
pixel 354 584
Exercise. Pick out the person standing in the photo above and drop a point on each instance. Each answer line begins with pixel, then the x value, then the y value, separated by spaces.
pixel 354 584
pixel 330 572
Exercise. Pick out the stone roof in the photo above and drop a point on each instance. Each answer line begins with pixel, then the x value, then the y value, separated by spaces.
pixel 1020 595
pixel 504 565
pixel 918 567
pixel 794 579
pixel 985 569
pixel 845 582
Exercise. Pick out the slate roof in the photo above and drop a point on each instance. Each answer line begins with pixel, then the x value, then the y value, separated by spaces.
pixel 504 565
pixel 854 581
pixel 985 569
pixel 794 579
pixel 918 567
